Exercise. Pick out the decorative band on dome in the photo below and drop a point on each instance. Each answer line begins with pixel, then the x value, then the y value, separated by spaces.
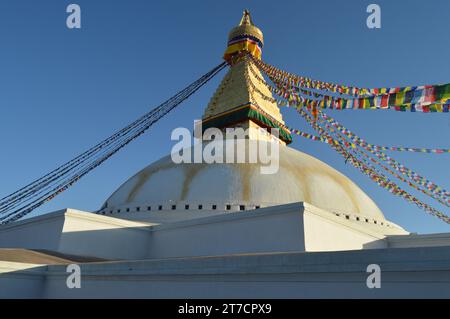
pixel 245 37
pixel 244 42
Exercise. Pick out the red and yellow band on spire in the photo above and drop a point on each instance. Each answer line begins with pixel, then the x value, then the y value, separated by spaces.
pixel 245 37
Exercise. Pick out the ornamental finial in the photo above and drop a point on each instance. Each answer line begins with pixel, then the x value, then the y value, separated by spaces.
pixel 246 18
pixel 244 37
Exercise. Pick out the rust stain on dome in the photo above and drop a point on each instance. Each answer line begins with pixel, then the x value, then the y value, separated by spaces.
pixel 144 175
pixel 297 171
pixel 314 169
pixel 300 172
pixel 245 171
pixel 345 184
pixel 190 171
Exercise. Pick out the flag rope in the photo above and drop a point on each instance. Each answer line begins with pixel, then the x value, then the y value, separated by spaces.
pixel 52 184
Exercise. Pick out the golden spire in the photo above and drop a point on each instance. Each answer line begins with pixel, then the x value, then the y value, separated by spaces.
pixel 241 99
pixel 244 33
pixel 246 18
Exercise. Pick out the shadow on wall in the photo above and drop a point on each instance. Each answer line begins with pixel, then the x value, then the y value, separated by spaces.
pixel 380 243
pixel 211 236
pixel 30 235
pixel 422 272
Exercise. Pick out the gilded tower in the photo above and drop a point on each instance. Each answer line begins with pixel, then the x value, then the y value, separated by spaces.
pixel 243 99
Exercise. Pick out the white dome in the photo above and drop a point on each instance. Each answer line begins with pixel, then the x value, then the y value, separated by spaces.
pixel 300 178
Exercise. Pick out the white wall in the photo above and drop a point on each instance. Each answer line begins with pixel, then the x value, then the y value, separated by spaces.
pixel 104 237
pixel 20 280
pixel 290 227
pixel 325 234
pixel 42 232
pixel 419 240
pixel 405 273
pixel 79 233
pixel 232 233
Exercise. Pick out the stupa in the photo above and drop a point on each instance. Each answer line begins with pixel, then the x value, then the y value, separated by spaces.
pixel 224 229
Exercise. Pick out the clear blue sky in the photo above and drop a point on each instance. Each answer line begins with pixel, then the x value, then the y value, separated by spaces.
pixel 62 91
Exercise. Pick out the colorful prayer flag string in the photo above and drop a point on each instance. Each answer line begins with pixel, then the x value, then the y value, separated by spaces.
pixel 434 193
pixel 375 147
pixel 372 173
pixel 441 92
pixel 424 99
pixel 352 147
pixel 350 150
